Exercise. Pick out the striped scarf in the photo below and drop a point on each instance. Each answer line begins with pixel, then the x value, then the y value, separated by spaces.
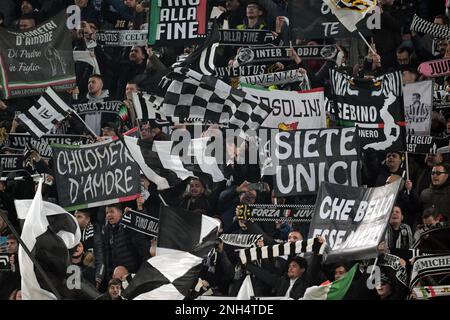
pixel 288 248
pixel 423 26
pixel 404 240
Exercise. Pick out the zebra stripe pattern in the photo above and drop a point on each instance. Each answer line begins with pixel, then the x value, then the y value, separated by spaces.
pixel 423 26
pixel 382 85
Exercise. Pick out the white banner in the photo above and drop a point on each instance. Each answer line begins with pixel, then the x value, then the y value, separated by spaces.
pixel 418 102
pixel 292 110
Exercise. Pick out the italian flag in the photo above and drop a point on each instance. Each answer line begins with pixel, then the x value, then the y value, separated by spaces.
pixel 123 113
pixel 335 290
pixel 155 18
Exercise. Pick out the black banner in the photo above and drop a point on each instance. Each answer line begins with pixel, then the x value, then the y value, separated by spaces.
pixel 34 59
pixel 375 106
pixel 318 22
pixel 105 106
pixel 140 222
pixel 272 54
pixel 95 175
pixel 235 37
pixel 11 163
pixel 274 212
pixel 425 144
pixel 352 220
pixel 308 157
pixel 18 141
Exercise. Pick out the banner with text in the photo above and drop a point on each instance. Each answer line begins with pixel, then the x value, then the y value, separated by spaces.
pixel 426 144
pixel 307 158
pixel 11 163
pixel 274 54
pixel 291 109
pixel 352 220
pixel 375 106
pixel 418 102
pixel 241 71
pixel 274 212
pixel 18 141
pixel 40 57
pixel 318 21
pixel 428 266
pixel 237 37
pixel 121 38
pixel 95 175
pixel 105 106
pixel 275 78
pixel 141 222
pixel 177 22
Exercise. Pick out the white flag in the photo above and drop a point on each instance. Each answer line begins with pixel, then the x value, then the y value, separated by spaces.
pixel 50 244
pixel 246 290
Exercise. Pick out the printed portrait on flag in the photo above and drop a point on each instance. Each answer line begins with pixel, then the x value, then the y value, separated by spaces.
pixel 418 102
pixel 34 59
pixel 374 106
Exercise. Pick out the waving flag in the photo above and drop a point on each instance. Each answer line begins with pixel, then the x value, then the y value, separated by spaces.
pixel 40 118
pixel 48 232
pixel 186 239
pixel 350 12
pixel 335 290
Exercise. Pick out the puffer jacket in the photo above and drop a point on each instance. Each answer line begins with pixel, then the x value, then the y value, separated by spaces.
pixel 439 197
pixel 121 246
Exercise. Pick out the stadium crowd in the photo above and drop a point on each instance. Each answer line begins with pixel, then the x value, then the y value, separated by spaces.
pixel 110 254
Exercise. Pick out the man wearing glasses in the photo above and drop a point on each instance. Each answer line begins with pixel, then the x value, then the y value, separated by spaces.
pixel 438 194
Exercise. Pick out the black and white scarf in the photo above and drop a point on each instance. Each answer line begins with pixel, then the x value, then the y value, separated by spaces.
pixel 275 212
pixel 240 240
pixel 288 248
pixel 423 26
pixel 429 266
pixel 393 262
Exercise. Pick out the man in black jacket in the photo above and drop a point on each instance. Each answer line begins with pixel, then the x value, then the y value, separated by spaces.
pixel 120 246
pixel 299 276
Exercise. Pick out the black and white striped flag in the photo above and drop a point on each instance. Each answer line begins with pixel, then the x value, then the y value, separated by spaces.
pixel 41 117
pixel 195 98
pixel 184 230
pixel 166 168
pixel 202 58
pixel 148 106
pixel 435 30
pixel 185 239
pixel 288 248
pixel 48 232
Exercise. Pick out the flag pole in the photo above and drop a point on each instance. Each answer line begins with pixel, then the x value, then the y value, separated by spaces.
pixel 84 123
pixel 407 168
pixel 139 127
pixel 33 259
pixel 162 199
pixel 365 41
